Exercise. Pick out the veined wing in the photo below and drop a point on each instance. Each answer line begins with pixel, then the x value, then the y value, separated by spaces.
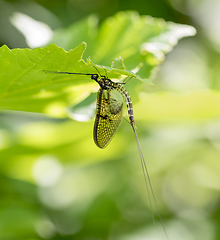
pixel 109 115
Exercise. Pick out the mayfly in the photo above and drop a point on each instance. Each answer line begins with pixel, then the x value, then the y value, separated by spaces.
pixel 109 114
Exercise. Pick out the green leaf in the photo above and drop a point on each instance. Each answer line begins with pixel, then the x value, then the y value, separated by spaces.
pixel 137 39
pixel 118 63
pixel 27 85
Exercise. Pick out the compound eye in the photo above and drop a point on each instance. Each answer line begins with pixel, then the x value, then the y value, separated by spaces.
pixel 94 77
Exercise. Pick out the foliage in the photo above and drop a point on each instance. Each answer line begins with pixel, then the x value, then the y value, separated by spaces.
pixel 56 184
pixel 137 40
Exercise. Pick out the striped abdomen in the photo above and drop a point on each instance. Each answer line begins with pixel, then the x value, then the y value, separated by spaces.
pixel 128 103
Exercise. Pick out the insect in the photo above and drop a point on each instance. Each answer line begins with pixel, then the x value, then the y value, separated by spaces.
pixel 109 114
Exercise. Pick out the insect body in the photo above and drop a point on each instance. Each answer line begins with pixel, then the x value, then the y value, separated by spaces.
pixel 109 114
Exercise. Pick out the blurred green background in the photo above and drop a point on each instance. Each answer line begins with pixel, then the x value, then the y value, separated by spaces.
pixel 56 184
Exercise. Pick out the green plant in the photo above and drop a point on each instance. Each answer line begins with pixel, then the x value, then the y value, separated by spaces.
pixel 37 153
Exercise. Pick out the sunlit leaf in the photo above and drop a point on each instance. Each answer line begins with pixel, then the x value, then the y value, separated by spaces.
pixel 137 39
pixel 25 86
pixel 140 41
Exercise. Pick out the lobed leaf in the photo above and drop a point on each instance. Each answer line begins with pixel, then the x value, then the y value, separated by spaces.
pixel 137 39
pixel 132 40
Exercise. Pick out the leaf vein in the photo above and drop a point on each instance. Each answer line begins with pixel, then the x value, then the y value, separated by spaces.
pixel 12 82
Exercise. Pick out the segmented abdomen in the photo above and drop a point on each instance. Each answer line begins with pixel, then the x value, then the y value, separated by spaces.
pixel 128 102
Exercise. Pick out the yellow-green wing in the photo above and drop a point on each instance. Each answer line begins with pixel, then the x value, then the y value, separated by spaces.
pixel 109 115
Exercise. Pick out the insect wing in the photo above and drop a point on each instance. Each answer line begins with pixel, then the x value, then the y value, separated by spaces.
pixel 109 115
